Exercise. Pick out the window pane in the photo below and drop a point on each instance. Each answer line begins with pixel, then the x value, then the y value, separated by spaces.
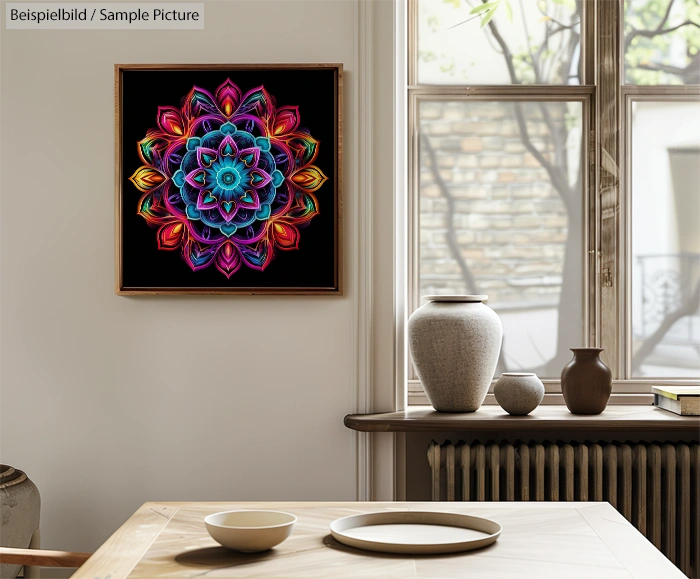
pixel 662 39
pixel 535 42
pixel 666 239
pixel 501 214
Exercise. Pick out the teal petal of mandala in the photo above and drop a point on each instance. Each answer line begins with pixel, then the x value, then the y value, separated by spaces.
pixel 228 229
pixel 179 178
pixel 205 156
pixel 193 212
pixel 250 156
pixel 206 200
pixel 197 178
pixel 263 213
pixel 227 149
pixel 193 143
pixel 258 177
pixel 228 128
pixel 263 143
pixel 277 178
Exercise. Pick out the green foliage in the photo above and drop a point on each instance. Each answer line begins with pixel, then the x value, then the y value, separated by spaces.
pixel 654 47
pixel 427 56
pixel 659 45
pixel 559 20
pixel 488 11
pixel 569 4
pixel 571 120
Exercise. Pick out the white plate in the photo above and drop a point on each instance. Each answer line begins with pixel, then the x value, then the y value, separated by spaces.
pixel 415 532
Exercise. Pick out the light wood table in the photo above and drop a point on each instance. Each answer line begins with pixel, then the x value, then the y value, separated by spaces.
pixel 539 541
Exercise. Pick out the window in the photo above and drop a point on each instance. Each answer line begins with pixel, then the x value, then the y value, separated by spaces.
pixel 555 166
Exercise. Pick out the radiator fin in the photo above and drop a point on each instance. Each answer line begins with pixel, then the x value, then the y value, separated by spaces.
pixel 523 458
pixel 656 486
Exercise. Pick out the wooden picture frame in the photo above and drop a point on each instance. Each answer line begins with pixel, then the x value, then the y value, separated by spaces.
pixel 241 196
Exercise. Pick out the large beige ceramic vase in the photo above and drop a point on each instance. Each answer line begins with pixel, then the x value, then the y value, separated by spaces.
pixel 20 505
pixel 454 343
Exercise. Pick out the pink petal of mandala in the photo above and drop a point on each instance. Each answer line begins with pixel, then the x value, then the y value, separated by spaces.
pixel 305 210
pixel 286 235
pixel 197 178
pixel 198 255
pixel 147 178
pixel 286 121
pixel 228 209
pixel 228 259
pixel 170 121
pixel 305 147
pixel 151 145
pixel 258 256
pixel 250 200
pixel 250 157
pixel 206 200
pixel 205 157
pixel 259 178
pixel 170 235
pixel 309 178
pixel 228 95
pixel 228 147
pixel 259 101
pixel 198 101
pixel 153 210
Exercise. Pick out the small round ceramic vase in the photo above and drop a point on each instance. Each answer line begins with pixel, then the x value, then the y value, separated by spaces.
pixel 518 393
pixel 586 382
pixel 454 343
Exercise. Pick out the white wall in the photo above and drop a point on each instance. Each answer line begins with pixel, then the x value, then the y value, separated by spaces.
pixel 656 128
pixel 110 401
pixel 660 206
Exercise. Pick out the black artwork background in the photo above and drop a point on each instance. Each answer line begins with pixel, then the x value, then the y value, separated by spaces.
pixel 313 264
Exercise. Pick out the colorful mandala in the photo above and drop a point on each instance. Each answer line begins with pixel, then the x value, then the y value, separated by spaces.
pixel 228 179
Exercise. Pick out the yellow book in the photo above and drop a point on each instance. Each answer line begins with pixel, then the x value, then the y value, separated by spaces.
pixel 683 400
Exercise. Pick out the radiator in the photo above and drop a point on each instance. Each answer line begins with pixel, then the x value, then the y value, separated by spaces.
pixel 655 486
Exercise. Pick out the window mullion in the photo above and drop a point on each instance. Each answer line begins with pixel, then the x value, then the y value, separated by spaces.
pixel 609 274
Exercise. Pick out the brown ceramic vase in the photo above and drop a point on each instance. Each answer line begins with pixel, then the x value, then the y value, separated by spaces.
pixel 586 382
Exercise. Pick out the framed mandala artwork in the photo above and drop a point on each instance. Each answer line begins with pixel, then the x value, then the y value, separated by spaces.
pixel 229 179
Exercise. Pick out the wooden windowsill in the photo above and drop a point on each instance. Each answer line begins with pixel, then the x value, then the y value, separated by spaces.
pixel 552 418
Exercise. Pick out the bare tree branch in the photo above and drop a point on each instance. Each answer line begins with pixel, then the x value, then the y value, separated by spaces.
pixel 507 54
pixel 552 19
pixel 659 30
pixel 659 67
pixel 467 275
pixel 652 33
pixel 666 15
pixel 535 63
pixel 556 176
pixel 686 309
pixel 559 180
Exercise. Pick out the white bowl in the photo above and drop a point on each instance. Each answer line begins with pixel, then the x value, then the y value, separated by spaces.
pixel 250 531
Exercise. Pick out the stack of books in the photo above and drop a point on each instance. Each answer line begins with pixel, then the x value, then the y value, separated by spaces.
pixel 683 400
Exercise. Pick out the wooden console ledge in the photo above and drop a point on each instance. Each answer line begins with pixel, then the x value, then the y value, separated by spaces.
pixel 545 418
